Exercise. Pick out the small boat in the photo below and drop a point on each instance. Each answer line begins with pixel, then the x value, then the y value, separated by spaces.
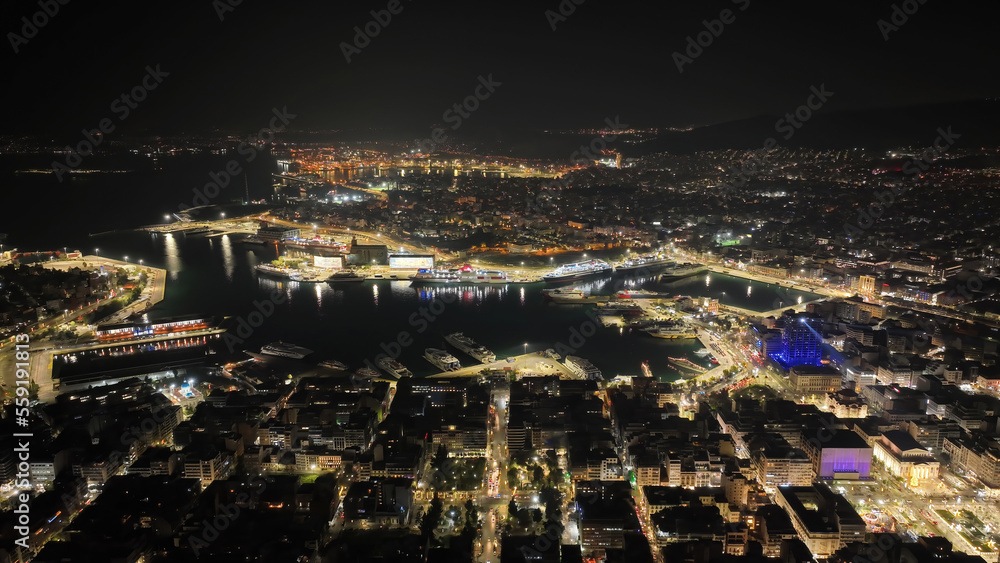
pixel 334 365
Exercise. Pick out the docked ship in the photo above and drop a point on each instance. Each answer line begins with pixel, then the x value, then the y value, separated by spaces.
pixel 254 239
pixel 345 276
pixel 564 295
pixel 429 275
pixel 583 368
pixel 466 275
pixel 393 367
pixel 334 365
pixel 679 271
pixel 273 271
pixel 671 331
pixel 368 373
pixel 470 347
pixel 623 308
pixel 647 262
pixel 483 276
pixel 578 271
pixel 442 360
pixel 285 350
pixel 306 277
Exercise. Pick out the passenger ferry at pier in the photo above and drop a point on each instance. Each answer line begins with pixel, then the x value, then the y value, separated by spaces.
pixel 583 368
pixel 465 274
pixel 429 276
pixel 646 262
pixel 442 360
pixel 285 350
pixel 394 368
pixel 470 347
pixel 578 271
pixel 679 271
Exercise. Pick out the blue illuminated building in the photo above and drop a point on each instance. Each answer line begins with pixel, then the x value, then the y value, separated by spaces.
pixel 800 342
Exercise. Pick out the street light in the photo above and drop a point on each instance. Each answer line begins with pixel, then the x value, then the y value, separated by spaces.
pixel 97 251
pixel 525 347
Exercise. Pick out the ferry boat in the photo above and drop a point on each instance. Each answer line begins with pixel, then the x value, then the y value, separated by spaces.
pixel 442 360
pixel 285 350
pixel 393 367
pixel 273 271
pixel 470 347
pixel 345 276
pixel 334 365
pixel 583 368
pixel 483 276
pixel 647 262
pixel 465 274
pixel 578 271
pixel 679 271
pixel 672 331
pixel 368 373
pixel 429 275
pixel 254 239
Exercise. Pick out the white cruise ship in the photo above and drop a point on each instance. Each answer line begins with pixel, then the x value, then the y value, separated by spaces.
pixel 470 347
pixel 443 360
pixel 393 367
pixel 672 331
pixel 285 350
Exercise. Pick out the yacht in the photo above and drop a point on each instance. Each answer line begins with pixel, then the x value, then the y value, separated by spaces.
pixel 334 365
pixel 442 359
pixel 563 295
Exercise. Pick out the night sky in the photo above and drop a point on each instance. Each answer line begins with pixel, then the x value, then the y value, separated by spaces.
pixel 604 59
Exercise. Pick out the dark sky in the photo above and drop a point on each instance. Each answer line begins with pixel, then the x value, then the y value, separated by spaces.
pixel 608 58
